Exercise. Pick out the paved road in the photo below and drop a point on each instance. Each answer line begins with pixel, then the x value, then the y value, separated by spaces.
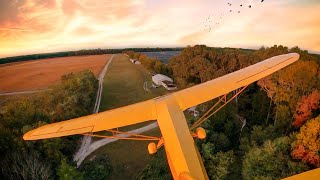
pixel 86 140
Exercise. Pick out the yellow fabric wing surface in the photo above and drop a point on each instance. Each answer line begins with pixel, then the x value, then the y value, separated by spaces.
pixel 217 87
pixel 146 110
pixel 119 117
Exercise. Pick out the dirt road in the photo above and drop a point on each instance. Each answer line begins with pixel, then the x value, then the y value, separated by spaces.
pixel 86 140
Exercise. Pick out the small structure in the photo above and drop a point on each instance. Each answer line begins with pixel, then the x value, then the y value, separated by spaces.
pixel 162 80
pixel 126 55
pixel 193 111
pixel 135 61
pixel 132 60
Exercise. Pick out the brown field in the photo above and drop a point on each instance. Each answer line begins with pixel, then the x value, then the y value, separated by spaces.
pixel 39 74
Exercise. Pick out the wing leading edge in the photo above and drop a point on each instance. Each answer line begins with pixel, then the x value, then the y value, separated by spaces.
pixel 217 87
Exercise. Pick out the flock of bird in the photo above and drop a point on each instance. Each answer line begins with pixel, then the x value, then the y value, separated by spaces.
pixel 210 21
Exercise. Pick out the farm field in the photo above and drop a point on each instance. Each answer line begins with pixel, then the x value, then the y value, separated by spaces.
pixel 163 56
pixel 123 85
pixel 39 74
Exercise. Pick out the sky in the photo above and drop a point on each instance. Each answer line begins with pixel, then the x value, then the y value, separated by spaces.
pixel 40 26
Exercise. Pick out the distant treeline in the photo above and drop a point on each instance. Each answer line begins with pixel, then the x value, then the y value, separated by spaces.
pixel 80 53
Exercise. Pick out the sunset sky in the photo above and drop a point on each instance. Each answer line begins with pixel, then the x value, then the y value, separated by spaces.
pixel 39 26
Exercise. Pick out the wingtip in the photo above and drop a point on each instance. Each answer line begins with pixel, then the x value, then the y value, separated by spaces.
pixel 295 55
pixel 28 136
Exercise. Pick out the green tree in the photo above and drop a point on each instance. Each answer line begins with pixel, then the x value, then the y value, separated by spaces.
pixel 271 161
pixel 68 172
pixel 96 169
pixel 219 165
pixel 157 168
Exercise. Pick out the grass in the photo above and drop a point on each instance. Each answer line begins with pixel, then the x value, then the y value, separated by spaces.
pixel 123 85
pixel 128 158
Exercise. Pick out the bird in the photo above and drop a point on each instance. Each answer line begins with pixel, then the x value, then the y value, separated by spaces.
pixel 249 6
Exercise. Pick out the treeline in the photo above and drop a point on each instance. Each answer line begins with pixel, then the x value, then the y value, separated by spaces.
pixel 51 158
pixel 271 131
pixel 84 52
pixel 152 64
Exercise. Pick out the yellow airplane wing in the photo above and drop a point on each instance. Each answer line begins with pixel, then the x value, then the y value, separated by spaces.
pixel 217 87
pixel 308 175
pixel 119 117
pixel 145 111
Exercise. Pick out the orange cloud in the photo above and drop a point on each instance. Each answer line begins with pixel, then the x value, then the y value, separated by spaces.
pixel 36 26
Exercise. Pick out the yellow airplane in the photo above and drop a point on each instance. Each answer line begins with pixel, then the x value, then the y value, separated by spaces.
pixel 182 155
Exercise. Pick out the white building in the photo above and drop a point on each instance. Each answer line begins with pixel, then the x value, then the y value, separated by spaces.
pixel 165 81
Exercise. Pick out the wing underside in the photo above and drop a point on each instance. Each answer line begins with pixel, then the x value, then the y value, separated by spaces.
pixel 115 118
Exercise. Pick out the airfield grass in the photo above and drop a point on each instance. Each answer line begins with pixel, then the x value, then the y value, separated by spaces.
pixel 123 85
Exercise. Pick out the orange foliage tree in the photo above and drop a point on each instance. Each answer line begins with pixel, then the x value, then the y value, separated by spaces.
pixel 307 145
pixel 286 88
pixel 305 107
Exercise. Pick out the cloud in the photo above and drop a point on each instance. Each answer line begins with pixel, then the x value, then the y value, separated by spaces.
pixel 33 26
pixel 193 38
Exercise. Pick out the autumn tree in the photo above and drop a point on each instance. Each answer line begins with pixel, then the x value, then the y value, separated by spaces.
pixel 307 145
pixel 305 106
pixel 286 87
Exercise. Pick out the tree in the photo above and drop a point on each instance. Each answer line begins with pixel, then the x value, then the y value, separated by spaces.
pixel 305 106
pixel 271 161
pixel 96 169
pixel 72 98
pixel 67 172
pixel 307 145
pixel 157 168
pixel 26 166
pixel 219 165
pixel 286 87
